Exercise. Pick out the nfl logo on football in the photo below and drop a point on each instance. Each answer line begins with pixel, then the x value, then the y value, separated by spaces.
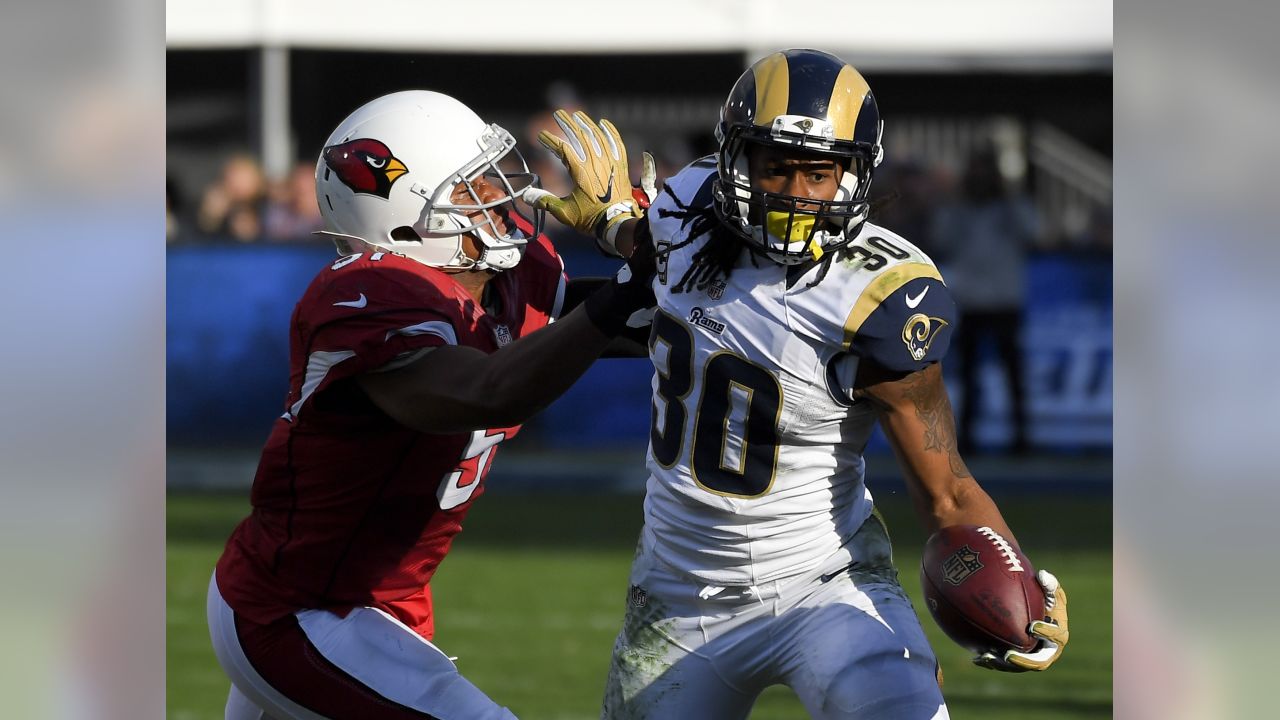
pixel 502 334
pixel 962 563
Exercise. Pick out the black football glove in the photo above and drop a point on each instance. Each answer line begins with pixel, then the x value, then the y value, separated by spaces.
pixel 627 301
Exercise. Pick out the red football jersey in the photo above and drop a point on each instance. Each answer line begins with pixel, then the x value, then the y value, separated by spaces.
pixel 351 508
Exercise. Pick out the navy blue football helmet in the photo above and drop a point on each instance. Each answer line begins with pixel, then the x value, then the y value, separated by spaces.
pixel 810 101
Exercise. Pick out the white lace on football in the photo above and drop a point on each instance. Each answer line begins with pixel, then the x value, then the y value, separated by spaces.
pixel 1002 545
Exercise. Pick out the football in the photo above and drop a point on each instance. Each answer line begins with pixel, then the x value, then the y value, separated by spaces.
pixel 980 589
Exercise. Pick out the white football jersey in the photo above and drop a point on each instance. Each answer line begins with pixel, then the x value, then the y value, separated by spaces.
pixel 755 456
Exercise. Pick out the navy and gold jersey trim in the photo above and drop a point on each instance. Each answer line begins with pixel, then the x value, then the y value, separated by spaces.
pixel 880 289
pixel 911 329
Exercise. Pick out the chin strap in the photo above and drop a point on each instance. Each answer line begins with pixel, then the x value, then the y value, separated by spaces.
pixel 499 258
pixel 496 252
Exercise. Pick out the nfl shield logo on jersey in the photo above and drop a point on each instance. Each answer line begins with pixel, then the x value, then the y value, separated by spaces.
pixel 962 563
pixel 716 291
pixel 502 334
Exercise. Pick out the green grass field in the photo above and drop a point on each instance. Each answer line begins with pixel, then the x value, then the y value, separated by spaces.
pixel 531 596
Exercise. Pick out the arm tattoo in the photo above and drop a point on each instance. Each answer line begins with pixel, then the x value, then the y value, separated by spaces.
pixel 929 397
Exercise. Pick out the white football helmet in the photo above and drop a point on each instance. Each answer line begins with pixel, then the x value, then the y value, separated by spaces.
pixel 387 177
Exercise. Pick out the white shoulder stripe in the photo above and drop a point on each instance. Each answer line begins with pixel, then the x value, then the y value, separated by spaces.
pixel 318 365
pixel 439 328
pixel 320 362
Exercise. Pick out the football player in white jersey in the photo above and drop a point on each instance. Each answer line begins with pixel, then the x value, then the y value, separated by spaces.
pixel 787 326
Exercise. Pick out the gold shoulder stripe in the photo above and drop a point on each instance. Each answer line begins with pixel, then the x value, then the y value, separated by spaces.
pixel 773 88
pixel 879 289
pixel 846 101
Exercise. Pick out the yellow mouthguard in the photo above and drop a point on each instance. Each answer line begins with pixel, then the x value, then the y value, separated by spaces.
pixel 801 227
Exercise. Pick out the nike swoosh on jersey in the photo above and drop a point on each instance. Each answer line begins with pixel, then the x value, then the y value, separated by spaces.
pixel 608 191
pixel 912 302
pixel 361 302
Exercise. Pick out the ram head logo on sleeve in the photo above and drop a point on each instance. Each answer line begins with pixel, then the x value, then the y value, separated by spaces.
pixel 919 333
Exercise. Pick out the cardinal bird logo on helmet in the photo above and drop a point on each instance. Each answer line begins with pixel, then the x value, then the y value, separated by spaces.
pixel 365 165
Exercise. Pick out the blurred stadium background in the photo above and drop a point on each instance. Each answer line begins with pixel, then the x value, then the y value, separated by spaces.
pixel 532 593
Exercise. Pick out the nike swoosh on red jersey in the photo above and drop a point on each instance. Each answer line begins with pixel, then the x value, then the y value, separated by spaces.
pixel 357 303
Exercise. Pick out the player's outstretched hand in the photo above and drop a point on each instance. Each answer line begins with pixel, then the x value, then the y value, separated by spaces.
pixel 1053 634
pixel 596 159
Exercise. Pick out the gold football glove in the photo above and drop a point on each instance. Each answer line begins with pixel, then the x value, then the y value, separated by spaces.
pixel 597 163
pixel 1053 634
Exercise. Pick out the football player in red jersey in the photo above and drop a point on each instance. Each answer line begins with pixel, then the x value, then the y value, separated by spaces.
pixel 413 356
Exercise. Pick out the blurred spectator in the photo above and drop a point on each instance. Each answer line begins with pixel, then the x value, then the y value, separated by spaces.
pixel 983 239
pixel 292 213
pixel 905 202
pixel 232 206
pixel 671 153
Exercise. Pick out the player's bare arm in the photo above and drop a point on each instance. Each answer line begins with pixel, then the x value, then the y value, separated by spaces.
pixel 916 416
pixel 456 388
pixel 915 413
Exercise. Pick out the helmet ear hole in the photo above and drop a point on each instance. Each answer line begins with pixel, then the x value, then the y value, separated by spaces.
pixel 404 233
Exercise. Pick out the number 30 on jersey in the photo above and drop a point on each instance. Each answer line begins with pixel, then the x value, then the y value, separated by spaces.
pixel 734 448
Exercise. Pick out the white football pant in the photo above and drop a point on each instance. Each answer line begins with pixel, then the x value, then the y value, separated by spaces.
pixel 367 665
pixel 846 640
